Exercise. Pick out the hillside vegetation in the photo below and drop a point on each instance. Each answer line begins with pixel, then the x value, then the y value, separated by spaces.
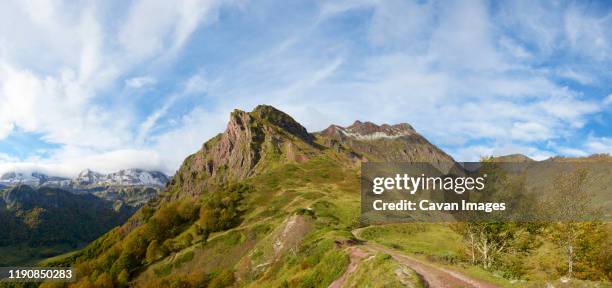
pixel 43 222
pixel 266 204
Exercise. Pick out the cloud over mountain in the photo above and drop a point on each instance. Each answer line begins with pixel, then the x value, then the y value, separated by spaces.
pixel 104 86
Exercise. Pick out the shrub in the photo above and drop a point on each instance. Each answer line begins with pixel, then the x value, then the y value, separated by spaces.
pixel 223 279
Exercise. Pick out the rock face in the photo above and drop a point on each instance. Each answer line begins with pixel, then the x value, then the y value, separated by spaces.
pixel 266 137
pixel 264 133
pixel 371 142
pixel 369 131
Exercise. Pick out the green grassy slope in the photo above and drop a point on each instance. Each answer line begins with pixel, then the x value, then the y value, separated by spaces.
pixel 276 210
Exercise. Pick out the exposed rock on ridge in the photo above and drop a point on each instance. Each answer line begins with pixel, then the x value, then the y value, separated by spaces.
pixel 369 131
pixel 235 154
pixel 393 143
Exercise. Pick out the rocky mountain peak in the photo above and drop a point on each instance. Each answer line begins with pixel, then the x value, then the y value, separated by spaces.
pixel 125 177
pixel 370 131
pixel 368 141
pixel 8 175
pixel 86 179
pixel 237 153
pixel 88 176
pixel 282 120
pixel 18 178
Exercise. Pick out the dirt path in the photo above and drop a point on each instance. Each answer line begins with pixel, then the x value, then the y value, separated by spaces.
pixel 356 255
pixel 434 276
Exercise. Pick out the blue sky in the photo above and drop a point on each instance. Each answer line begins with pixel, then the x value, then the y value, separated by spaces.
pixel 109 85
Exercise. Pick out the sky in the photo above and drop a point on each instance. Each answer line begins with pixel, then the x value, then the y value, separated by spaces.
pixel 110 85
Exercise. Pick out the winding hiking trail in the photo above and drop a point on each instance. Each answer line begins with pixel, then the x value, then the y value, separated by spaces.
pixel 432 275
pixel 356 255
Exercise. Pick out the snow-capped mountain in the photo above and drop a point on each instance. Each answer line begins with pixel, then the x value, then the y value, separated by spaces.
pixel 34 179
pixel 370 131
pixel 127 177
pixel 132 187
pixel 87 179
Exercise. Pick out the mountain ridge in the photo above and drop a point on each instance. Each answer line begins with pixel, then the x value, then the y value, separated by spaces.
pixel 265 203
pixel 123 177
pixel 370 131
pixel 46 221
pixel 241 150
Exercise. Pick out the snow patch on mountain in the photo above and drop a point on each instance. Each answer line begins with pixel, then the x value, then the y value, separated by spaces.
pixel 370 131
pixel 88 178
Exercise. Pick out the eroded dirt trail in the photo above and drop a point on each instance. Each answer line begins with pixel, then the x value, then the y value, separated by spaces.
pixel 356 255
pixel 433 276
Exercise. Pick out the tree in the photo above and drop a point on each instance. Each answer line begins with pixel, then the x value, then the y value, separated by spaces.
pixel 570 205
pixel 123 278
pixel 155 251
pixel 224 279
pixel 486 240
pixel 104 281
pixel 125 262
pixel 83 283
pixel 489 236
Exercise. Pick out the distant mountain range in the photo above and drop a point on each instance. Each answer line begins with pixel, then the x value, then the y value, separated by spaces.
pixel 132 187
pixel 87 179
pixel 43 215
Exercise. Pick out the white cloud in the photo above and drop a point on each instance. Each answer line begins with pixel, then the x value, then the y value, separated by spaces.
pixel 59 108
pixel 5 128
pixel 147 27
pixel 588 35
pixel 599 145
pixel 514 49
pixel 155 26
pixel 191 132
pixel 577 76
pixel 607 100
pixel 196 84
pixel 400 22
pixel 572 152
pixel 476 152
pixel 71 161
pixel 530 131
pixel 139 82
pixel 455 76
pixel 7 158
pixel 591 145
pixel 58 62
pixel 460 72
pixel 576 28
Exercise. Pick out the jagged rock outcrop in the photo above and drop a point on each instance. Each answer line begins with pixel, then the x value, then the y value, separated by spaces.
pixel 283 121
pixel 237 153
pixel 371 142
pixel 369 131
pixel 267 136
